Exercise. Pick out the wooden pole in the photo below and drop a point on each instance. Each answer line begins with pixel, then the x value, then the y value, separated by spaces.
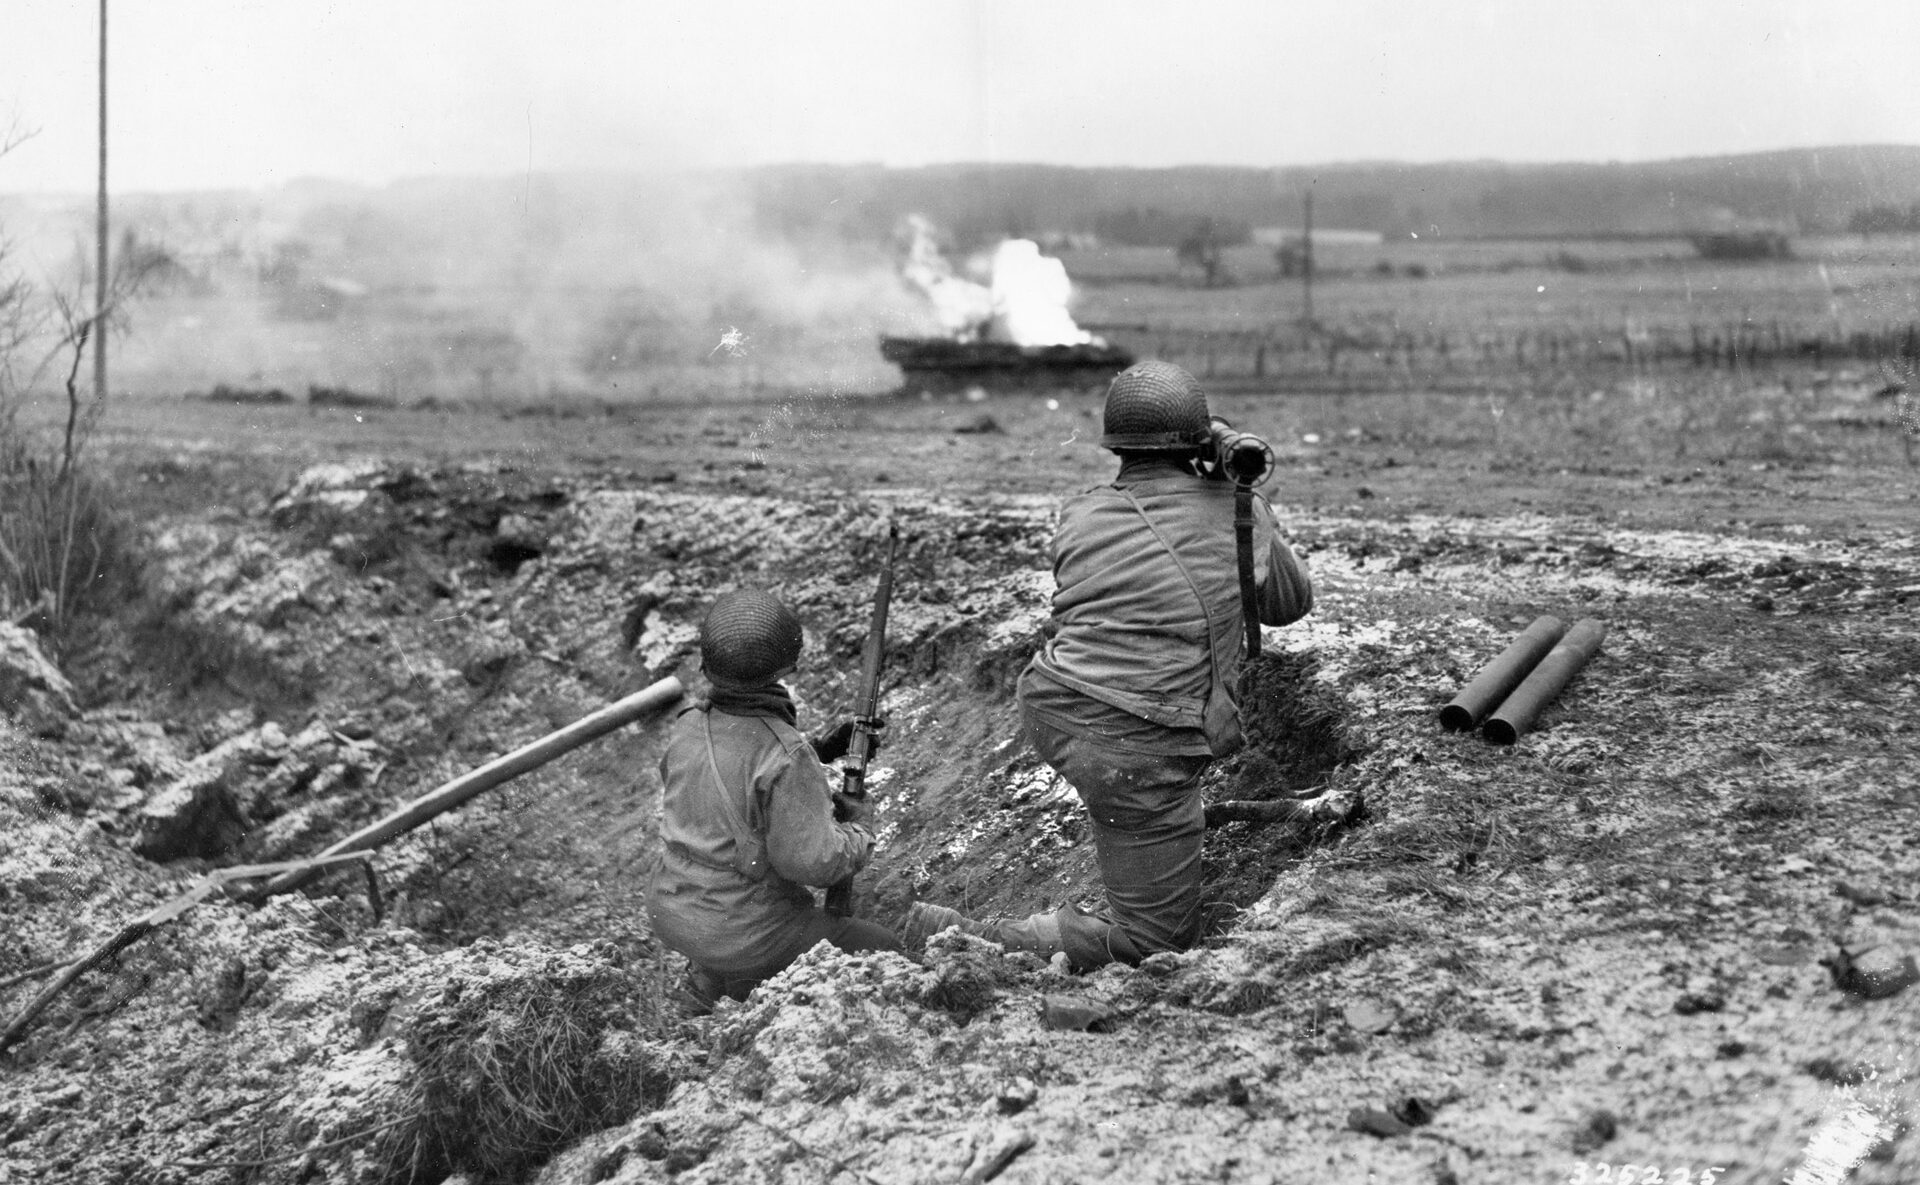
pixel 502 769
pixel 100 271
pixel 1306 254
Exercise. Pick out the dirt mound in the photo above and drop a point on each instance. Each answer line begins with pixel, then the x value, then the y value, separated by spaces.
pixel 830 1062
pixel 1298 741
pixel 1623 913
pixel 485 1061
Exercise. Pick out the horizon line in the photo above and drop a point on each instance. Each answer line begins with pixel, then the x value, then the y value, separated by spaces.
pixel 318 180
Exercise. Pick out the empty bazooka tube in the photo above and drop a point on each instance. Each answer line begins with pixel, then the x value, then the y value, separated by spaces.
pixel 1498 678
pixel 1555 671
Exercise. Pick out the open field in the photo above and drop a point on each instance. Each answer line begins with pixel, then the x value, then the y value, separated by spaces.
pixel 1417 312
pixel 1406 315
pixel 1597 946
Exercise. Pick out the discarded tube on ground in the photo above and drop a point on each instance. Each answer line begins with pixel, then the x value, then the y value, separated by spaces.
pixel 1518 712
pixel 1497 679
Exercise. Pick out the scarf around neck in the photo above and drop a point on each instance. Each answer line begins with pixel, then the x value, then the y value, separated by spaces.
pixel 1149 467
pixel 768 699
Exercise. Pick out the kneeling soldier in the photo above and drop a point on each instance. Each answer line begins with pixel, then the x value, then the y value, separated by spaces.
pixel 1133 695
pixel 748 818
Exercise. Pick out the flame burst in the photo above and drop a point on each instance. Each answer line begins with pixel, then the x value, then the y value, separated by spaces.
pixel 1025 303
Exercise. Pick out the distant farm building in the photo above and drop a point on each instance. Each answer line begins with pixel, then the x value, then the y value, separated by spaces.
pixel 1279 236
pixel 1742 244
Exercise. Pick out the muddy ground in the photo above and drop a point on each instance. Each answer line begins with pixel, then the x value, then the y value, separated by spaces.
pixel 1599 946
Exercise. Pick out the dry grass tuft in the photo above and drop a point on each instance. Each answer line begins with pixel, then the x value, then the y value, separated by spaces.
pixel 1365 936
pixel 515 1064
pixel 1780 799
pixel 1295 724
pixel 64 543
pixel 1299 743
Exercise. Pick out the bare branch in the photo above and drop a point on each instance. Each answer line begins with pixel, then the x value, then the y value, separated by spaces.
pixel 33 973
pixel 73 401
pixel 15 135
pixel 155 918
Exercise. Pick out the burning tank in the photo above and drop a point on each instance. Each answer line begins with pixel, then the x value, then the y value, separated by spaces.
pixel 1012 333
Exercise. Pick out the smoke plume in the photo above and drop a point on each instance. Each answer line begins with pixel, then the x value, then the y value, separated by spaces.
pixel 1025 301
pixel 546 286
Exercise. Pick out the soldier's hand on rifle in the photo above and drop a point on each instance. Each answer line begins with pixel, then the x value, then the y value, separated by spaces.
pixel 834 745
pixel 848 809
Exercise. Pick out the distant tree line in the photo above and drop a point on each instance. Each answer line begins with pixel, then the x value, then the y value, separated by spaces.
pixel 1885 220
pixel 1804 190
pixel 1151 226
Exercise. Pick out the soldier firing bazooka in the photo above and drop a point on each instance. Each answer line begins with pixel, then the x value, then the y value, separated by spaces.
pixel 748 817
pixel 1133 695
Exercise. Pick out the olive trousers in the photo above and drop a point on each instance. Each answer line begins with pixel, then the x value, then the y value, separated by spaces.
pixel 1148 827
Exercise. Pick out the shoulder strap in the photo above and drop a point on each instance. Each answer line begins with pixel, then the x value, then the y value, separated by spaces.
pixel 1205 613
pixel 751 853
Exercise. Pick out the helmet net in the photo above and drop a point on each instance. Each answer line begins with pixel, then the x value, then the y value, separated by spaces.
pixel 749 637
pixel 1155 406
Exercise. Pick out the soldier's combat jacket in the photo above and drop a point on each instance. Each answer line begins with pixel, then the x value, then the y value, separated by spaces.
pixel 746 822
pixel 1147 650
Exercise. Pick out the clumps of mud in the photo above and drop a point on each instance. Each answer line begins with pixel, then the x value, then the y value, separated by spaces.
pixel 1296 729
pixel 830 1027
pixel 970 974
pixel 486 1062
pixel 1231 980
pixel 1298 739
pixel 262 792
pixel 656 1147
pixel 839 1060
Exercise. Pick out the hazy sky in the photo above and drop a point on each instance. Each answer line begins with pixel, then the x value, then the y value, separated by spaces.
pixel 255 92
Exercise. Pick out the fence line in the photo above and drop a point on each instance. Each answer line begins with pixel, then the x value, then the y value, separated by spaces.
pixel 1258 353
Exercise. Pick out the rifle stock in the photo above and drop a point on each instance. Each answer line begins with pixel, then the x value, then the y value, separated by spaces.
pixel 866 719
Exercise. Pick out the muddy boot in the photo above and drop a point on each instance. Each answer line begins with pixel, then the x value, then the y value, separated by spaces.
pixel 1039 934
pixel 924 920
pixel 696 994
pixel 1091 941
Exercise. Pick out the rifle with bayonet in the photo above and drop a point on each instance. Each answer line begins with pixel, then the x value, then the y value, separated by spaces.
pixel 867 721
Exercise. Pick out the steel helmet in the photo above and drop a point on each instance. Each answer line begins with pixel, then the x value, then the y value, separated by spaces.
pixel 1155 406
pixel 749 638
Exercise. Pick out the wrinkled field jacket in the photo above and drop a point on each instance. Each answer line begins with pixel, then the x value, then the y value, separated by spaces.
pixel 1147 601
pixel 745 824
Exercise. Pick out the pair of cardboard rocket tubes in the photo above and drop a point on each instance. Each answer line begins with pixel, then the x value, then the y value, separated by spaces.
pixel 1524 679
